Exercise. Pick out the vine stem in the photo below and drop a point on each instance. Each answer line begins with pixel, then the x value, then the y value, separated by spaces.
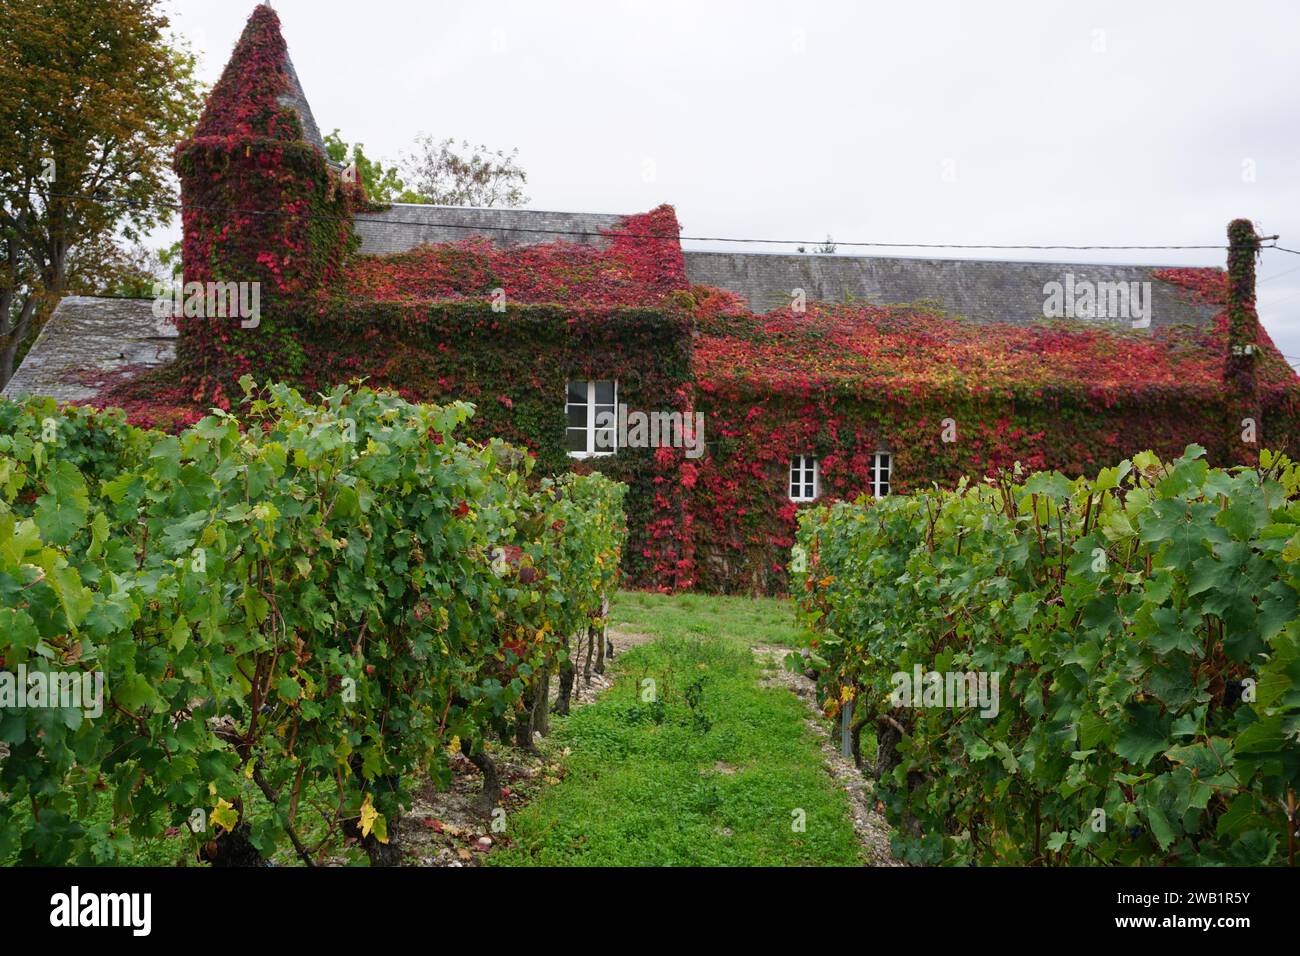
pixel 288 827
pixel 1290 827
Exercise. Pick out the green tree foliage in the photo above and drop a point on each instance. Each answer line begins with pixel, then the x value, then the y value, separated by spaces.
pixel 96 95
pixel 382 183
pixel 439 172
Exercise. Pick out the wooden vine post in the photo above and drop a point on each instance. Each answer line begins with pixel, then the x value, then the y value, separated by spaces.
pixel 1244 433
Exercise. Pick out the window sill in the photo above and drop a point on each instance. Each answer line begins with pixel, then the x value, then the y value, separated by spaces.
pixel 591 454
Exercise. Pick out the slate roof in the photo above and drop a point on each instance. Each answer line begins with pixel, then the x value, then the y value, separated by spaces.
pixel 297 99
pixel 404 226
pixel 981 289
pixel 86 339
pixel 984 290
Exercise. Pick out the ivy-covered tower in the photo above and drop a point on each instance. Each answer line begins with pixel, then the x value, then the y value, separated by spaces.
pixel 261 203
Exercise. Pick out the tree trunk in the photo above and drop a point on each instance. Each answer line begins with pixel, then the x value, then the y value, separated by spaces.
pixel 380 854
pixel 586 663
pixel 232 849
pixel 887 738
pixel 491 791
pixel 524 723
pixel 13 338
pixel 857 741
pixel 567 674
pixel 541 713
pixel 384 854
pixel 604 636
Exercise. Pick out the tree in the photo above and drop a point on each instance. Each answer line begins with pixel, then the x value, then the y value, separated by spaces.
pixel 382 184
pixel 96 95
pixel 441 173
pixel 132 271
pixel 438 172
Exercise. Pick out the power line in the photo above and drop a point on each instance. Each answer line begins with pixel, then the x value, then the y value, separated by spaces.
pixel 1285 272
pixel 607 234
pixel 1289 295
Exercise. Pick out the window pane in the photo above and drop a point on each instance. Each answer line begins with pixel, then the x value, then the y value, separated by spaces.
pixel 794 491
pixel 578 392
pixel 808 491
pixel 576 416
pixel 605 393
pixel 606 417
pixel 577 439
pixel 605 440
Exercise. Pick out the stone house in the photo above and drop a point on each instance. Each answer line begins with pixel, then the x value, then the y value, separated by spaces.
pixel 814 376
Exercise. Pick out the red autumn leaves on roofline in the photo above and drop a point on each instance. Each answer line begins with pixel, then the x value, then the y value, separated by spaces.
pixel 895 351
pixel 637 264
pixel 898 349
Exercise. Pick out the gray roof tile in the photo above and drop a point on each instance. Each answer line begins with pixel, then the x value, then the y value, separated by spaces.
pixel 980 289
pixel 86 339
pixel 405 226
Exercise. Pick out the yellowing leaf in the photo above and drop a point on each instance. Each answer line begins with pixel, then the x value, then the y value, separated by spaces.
pixel 372 819
pixel 224 815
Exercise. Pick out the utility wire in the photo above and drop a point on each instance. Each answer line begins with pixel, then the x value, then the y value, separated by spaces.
pixel 1278 275
pixel 608 234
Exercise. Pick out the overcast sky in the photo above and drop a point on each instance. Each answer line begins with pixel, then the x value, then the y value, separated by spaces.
pixel 1000 122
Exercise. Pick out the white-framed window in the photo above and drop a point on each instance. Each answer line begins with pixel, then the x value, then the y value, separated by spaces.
pixel 805 478
pixel 591 416
pixel 881 468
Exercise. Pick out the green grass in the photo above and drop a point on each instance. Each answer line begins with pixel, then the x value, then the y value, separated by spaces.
pixel 757 620
pixel 709 771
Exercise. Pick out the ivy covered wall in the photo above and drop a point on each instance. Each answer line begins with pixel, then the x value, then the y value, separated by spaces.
pixel 507 328
pixel 947 399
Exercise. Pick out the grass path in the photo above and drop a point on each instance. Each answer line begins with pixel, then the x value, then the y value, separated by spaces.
pixel 689 760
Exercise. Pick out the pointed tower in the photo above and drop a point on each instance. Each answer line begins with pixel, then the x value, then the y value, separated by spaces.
pixel 261 203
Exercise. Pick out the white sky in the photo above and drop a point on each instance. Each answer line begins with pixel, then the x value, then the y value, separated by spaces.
pixel 1033 122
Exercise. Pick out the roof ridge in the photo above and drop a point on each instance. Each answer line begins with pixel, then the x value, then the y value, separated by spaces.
pixel 1005 262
